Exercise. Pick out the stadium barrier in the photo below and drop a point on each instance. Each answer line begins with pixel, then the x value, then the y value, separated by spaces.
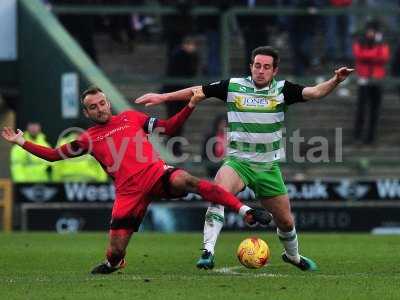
pixel 318 205
pixel 6 203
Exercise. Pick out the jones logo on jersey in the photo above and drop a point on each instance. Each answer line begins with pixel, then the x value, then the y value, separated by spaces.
pixel 258 103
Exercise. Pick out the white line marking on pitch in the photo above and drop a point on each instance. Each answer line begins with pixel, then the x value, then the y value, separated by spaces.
pixel 228 270
pixel 232 271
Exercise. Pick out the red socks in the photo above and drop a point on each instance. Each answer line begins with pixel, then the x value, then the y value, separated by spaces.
pixel 215 194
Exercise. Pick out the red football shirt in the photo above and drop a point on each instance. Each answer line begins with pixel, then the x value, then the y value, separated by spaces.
pixel 122 148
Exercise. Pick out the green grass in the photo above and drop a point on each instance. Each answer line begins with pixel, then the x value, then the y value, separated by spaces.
pixel 162 266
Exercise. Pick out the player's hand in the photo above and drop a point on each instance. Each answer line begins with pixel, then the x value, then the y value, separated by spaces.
pixel 150 99
pixel 198 95
pixel 342 73
pixel 10 136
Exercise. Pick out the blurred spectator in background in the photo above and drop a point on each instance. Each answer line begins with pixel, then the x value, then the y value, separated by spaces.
pixel 81 27
pixel 80 169
pixel 177 27
pixel 26 167
pixel 255 28
pixel 371 56
pixel 121 27
pixel 184 64
pixel 210 25
pixel 390 20
pixel 338 33
pixel 395 67
pixel 214 146
pixel 302 29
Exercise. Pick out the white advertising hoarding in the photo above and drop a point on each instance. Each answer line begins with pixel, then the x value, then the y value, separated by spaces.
pixel 69 95
pixel 8 30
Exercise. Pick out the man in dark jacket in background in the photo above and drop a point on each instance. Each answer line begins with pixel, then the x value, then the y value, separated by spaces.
pixel 183 63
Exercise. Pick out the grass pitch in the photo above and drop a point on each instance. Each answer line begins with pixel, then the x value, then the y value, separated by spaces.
pixel 162 266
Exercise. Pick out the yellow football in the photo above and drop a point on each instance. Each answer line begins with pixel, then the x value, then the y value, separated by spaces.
pixel 253 253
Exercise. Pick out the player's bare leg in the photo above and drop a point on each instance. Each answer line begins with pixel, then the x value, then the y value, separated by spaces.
pixel 119 240
pixel 182 181
pixel 279 206
pixel 228 179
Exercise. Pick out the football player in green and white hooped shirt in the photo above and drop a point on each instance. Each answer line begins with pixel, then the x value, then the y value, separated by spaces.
pixel 256 107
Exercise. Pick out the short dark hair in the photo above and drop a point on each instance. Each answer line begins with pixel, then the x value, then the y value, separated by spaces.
pixel 91 90
pixel 266 50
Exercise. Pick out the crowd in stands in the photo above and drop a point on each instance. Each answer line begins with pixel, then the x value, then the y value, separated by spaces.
pixel 338 30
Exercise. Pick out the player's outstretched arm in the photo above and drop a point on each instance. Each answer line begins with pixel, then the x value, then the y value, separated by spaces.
pixel 155 99
pixel 49 154
pixel 171 126
pixel 321 90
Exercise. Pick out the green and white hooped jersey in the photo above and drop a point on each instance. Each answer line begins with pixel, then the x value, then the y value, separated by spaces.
pixel 255 116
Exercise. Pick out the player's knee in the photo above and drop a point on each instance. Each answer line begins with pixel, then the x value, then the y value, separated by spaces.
pixel 285 224
pixel 184 181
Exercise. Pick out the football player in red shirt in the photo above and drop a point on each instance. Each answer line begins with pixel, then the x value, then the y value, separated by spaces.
pixel 120 144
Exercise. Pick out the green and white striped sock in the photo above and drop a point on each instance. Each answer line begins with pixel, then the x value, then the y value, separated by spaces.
pixel 214 221
pixel 290 243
